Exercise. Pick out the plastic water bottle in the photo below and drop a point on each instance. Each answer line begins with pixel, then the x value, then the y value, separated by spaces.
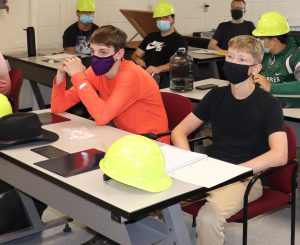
pixel 181 71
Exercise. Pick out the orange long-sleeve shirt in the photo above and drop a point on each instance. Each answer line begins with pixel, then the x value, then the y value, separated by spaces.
pixel 131 99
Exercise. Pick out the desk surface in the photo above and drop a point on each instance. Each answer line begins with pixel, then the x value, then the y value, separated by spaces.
pixel 40 59
pixel 197 94
pixel 194 52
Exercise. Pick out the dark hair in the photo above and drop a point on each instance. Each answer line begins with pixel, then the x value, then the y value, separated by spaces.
pixel 281 38
pixel 109 35
pixel 239 1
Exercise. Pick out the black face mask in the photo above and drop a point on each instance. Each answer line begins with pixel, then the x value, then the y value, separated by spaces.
pixel 236 14
pixel 235 73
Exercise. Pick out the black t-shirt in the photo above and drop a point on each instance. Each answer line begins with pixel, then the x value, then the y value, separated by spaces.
pixel 240 128
pixel 159 49
pixel 228 30
pixel 74 37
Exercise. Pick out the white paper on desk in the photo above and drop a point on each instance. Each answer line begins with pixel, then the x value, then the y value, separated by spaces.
pixel 203 51
pixel 177 158
pixel 208 172
pixel 59 57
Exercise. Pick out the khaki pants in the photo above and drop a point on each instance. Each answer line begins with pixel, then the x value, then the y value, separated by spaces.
pixel 221 205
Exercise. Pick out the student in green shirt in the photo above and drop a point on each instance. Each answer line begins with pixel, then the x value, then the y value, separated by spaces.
pixel 281 62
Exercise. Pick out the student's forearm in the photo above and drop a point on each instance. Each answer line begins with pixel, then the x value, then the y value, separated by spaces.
pixel 70 49
pixel 267 160
pixel 135 57
pixel 213 44
pixel 180 140
pixel 164 68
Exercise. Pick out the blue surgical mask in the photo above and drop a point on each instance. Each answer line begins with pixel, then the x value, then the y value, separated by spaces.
pixel 266 50
pixel 86 19
pixel 163 25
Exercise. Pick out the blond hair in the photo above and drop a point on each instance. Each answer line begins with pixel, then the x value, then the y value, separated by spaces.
pixel 248 44
pixel 109 35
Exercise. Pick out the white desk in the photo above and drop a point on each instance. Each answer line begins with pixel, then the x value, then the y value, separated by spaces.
pixel 111 208
pixel 211 59
pixel 197 94
pixel 36 69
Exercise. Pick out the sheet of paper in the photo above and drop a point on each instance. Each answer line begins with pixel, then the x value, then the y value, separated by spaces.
pixel 177 158
pixel 209 51
pixel 203 51
pixel 208 172
pixel 59 57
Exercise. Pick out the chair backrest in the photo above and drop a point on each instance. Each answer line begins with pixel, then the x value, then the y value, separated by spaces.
pixel 177 107
pixel 281 180
pixel 16 77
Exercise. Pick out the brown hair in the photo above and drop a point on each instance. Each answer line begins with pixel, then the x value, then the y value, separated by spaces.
pixel 109 35
pixel 248 44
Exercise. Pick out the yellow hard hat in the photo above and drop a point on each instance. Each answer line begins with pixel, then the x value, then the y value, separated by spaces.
pixel 5 106
pixel 86 5
pixel 136 161
pixel 271 24
pixel 162 9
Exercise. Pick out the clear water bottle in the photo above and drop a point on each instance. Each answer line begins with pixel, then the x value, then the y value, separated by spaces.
pixel 181 71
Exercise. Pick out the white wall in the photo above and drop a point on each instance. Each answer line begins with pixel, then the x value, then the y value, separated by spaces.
pixel 51 17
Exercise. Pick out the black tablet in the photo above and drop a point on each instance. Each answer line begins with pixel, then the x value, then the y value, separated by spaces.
pixel 74 163
pixel 50 118
pixel 206 86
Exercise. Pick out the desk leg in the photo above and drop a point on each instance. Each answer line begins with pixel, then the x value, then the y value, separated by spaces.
pixel 214 68
pixel 37 94
pixel 36 224
pixel 170 230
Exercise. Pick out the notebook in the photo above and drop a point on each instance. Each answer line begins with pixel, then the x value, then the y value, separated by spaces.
pixel 178 158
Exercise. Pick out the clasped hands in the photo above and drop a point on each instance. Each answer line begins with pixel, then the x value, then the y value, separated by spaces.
pixel 71 66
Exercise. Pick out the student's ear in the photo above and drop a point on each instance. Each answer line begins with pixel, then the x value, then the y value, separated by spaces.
pixel 256 69
pixel 120 54
pixel 77 13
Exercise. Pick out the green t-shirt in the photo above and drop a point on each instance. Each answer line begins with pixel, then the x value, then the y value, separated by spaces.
pixel 283 69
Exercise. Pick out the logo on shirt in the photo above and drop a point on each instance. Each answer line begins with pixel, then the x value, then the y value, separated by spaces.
pixel 155 45
pixel 274 79
pixel 82 45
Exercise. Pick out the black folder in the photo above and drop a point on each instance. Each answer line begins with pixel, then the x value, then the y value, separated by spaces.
pixel 74 163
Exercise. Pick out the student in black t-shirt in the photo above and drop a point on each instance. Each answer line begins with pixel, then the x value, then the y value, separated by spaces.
pixel 156 49
pixel 236 26
pixel 76 36
pixel 247 128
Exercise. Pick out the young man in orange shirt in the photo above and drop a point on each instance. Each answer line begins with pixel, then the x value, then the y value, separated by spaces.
pixel 112 89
